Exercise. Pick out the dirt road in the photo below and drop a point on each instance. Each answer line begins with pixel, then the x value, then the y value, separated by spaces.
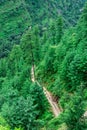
pixel 54 106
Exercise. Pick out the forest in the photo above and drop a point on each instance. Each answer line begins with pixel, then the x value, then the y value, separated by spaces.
pixel 43 65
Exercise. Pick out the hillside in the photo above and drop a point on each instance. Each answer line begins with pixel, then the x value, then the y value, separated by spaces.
pixel 17 16
pixel 41 12
pixel 43 80
pixel 14 20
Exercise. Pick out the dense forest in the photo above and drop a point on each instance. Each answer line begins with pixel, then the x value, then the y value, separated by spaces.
pixel 51 38
pixel 16 16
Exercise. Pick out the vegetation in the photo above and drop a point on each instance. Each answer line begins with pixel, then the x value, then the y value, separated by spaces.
pixel 57 50
pixel 16 16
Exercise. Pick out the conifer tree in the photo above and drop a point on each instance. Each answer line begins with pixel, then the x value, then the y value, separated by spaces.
pixel 27 46
pixel 36 44
pixel 52 33
pixel 59 29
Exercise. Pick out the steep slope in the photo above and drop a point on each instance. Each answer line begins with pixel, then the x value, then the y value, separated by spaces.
pixel 14 20
pixel 17 15
pixel 62 68
pixel 41 11
pixel 64 71
pixel 54 106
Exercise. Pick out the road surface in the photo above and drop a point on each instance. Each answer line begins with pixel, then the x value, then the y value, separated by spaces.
pixel 54 106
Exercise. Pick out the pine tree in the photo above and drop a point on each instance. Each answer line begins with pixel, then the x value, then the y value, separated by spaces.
pixel 27 46
pixel 52 33
pixel 59 29
pixel 36 44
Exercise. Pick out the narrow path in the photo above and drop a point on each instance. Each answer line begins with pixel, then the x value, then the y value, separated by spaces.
pixel 53 104
pixel 32 74
pixel 85 114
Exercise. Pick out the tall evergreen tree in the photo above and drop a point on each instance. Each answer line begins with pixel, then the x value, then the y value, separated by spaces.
pixel 27 46
pixel 52 33
pixel 36 43
pixel 59 29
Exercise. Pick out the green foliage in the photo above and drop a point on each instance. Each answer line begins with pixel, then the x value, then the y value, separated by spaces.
pixel 39 97
pixel 59 29
pixel 21 102
pixel 4 128
pixel 18 128
pixel 67 64
pixel 73 115
pixel 60 59
pixel 3 124
pixel 17 16
pixel 20 113
pixel 30 46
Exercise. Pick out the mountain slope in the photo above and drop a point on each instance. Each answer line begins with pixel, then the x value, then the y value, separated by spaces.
pixel 41 11
pixel 17 15
pixel 14 19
